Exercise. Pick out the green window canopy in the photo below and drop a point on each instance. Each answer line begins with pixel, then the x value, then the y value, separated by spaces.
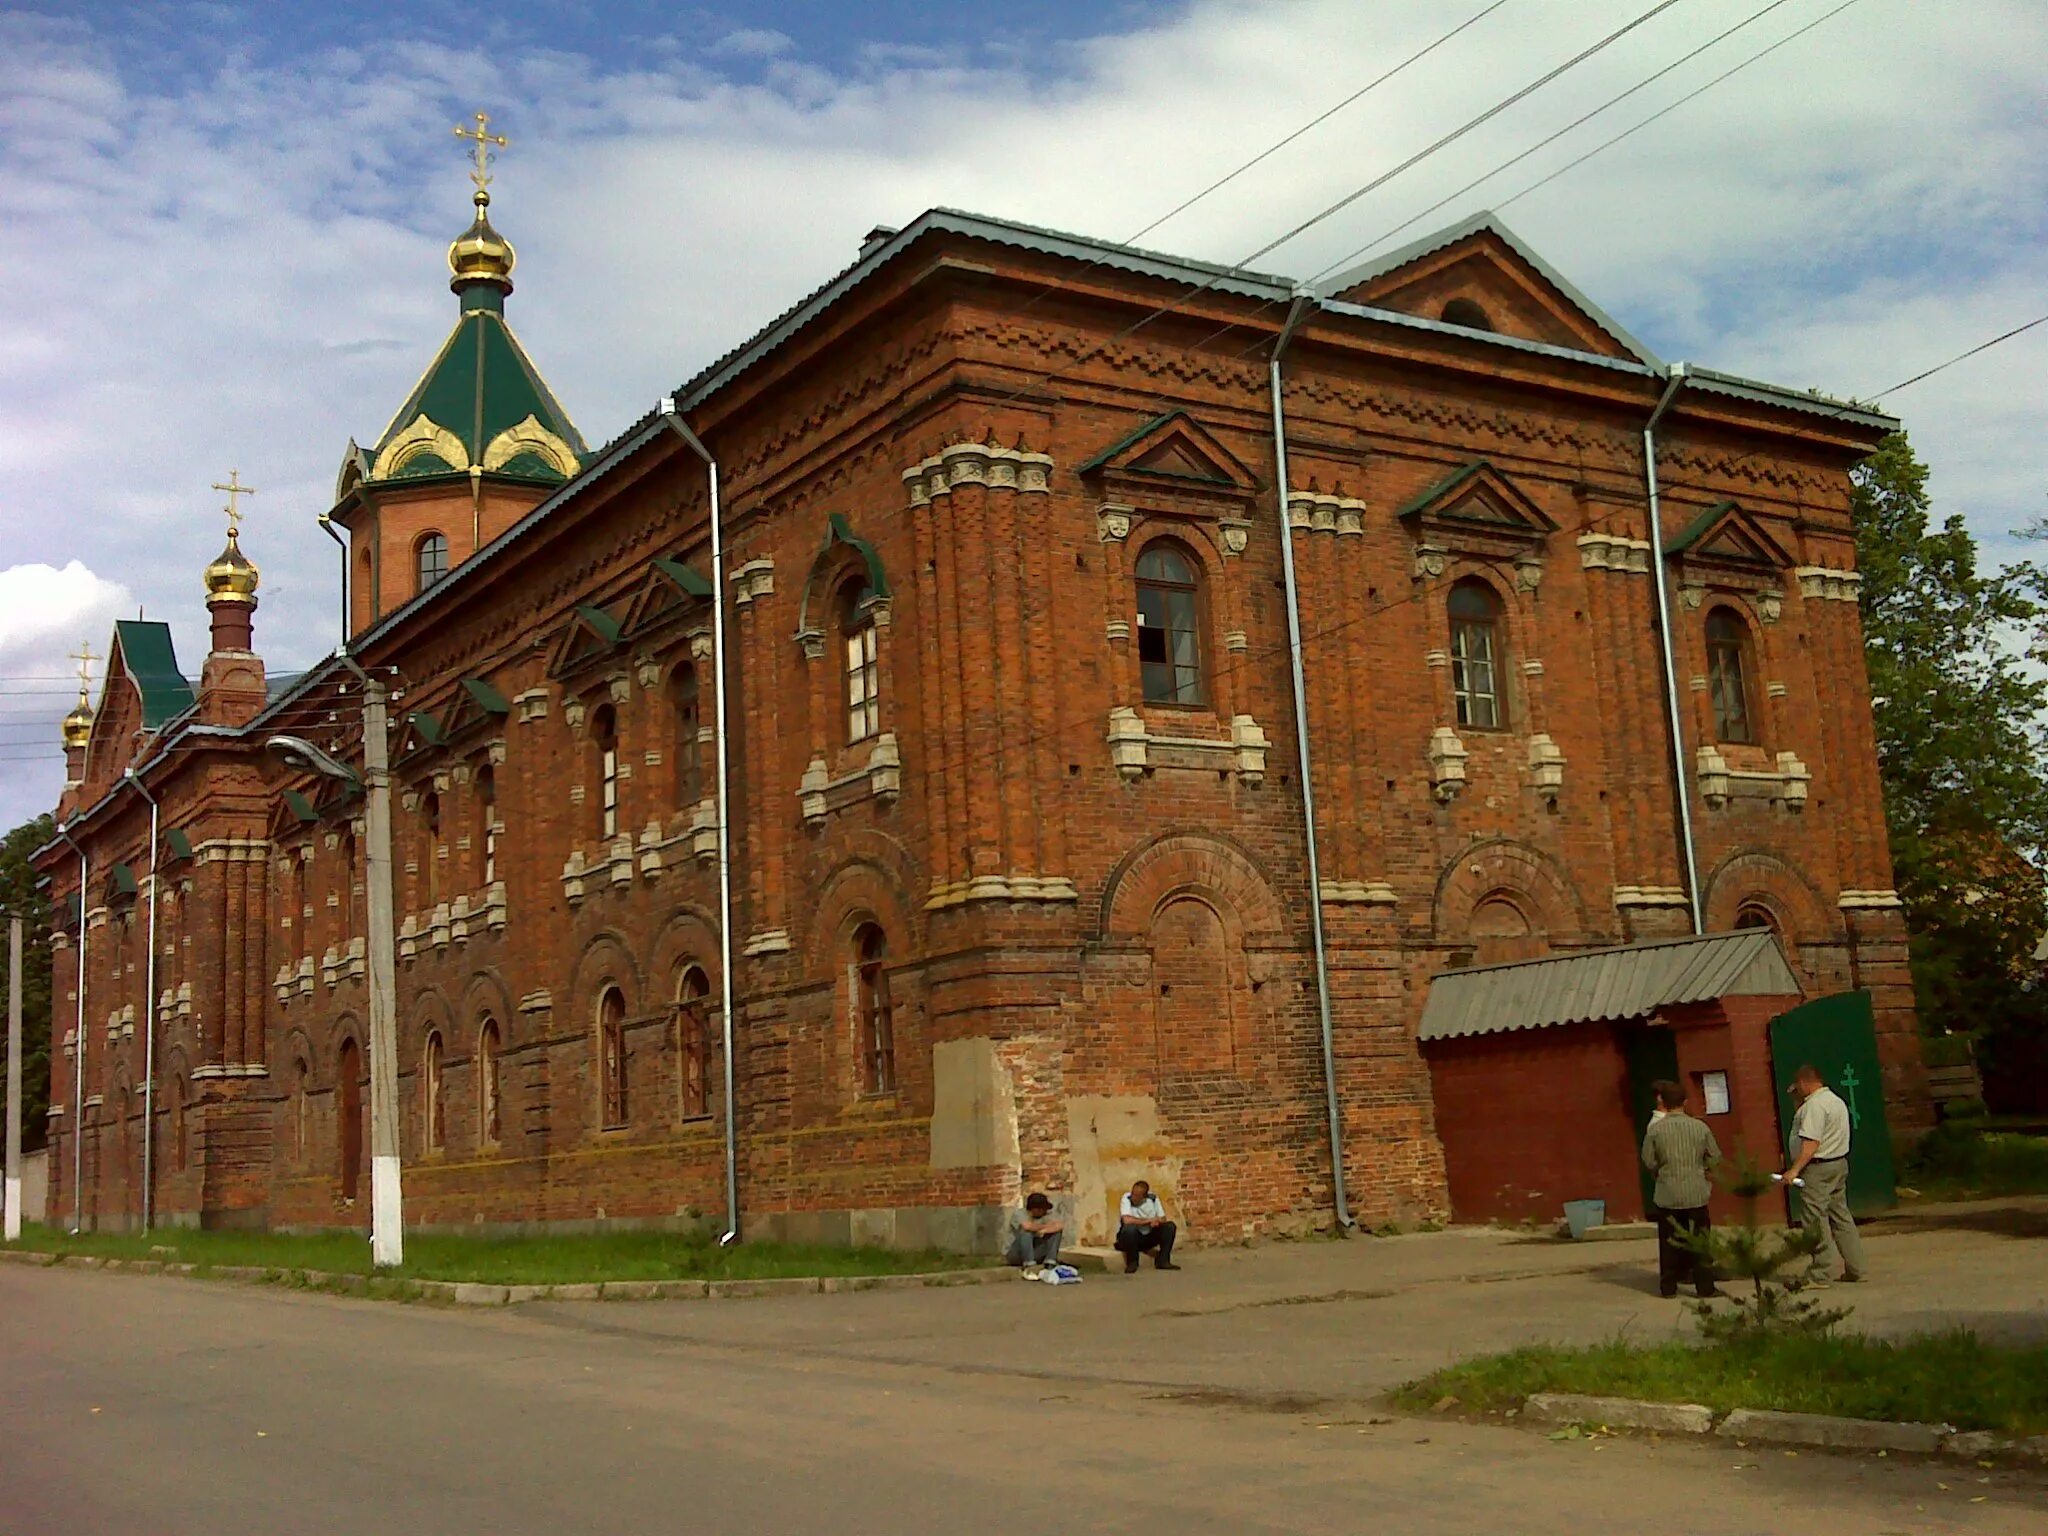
pixel 601 624
pixel 177 844
pixel 487 698
pixel 300 807
pixel 685 580
pixel 120 881
pixel 429 730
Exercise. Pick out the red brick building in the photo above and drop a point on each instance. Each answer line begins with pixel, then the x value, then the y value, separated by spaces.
pixel 1020 879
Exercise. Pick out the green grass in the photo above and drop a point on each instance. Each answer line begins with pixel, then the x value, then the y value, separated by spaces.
pixel 563 1260
pixel 1952 1378
pixel 1962 1162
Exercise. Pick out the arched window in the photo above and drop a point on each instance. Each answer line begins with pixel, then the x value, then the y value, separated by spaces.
pixel 1728 677
pixel 1466 312
pixel 302 1110
pixel 1502 933
pixel 1754 914
pixel 604 746
pixel 486 782
pixel 180 1153
pixel 430 560
pixel 611 1056
pixel 682 698
pixel 430 819
pixel 348 1118
pixel 863 669
pixel 345 882
pixel 693 1042
pixel 433 1100
pixel 1476 655
pixel 487 1113
pixel 874 1016
pixel 366 583
pixel 1169 626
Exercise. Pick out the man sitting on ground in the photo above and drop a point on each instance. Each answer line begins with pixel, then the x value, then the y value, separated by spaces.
pixel 1142 1226
pixel 1035 1235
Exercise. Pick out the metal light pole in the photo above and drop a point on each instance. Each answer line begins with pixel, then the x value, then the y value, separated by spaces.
pixel 387 1217
pixel 13 1217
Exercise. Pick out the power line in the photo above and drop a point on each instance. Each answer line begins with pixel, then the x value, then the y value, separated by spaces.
pixel 1546 142
pixel 1314 122
pixel 1737 69
pixel 1342 203
pixel 1980 347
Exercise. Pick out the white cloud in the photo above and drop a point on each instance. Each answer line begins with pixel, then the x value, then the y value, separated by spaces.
pixel 240 263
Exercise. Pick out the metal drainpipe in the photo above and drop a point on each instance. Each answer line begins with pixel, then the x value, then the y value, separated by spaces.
pixel 156 859
pixel 327 527
pixel 1302 302
pixel 1676 377
pixel 78 1047
pixel 732 1176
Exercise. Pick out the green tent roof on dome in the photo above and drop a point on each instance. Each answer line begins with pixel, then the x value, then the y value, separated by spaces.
pixel 481 405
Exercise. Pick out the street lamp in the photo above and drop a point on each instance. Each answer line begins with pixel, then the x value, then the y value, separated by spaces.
pixel 387 1234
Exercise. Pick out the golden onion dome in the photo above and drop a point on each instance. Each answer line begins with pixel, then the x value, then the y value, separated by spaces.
pixel 232 577
pixel 78 724
pixel 481 254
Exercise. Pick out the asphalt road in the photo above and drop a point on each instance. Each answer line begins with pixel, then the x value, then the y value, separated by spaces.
pixel 149 1405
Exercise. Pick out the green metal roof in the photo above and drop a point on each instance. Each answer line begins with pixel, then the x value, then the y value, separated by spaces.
pixel 152 665
pixel 179 842
pixel 431 732
pixel 1457 477
pixel 686 581
pixel 1696 530
pixel 121 880
pixel 602 624
pixel 300 806
pixel 1631 981
pixel 480 384
pixel 488 699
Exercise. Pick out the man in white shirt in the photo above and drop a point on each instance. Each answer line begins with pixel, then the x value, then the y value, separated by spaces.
pixel 1821 1132
pixel 1142 1226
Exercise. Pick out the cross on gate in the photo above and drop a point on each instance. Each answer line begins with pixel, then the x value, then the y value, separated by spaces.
pixel 1850 1082
pixel 484 140
pixel 236 491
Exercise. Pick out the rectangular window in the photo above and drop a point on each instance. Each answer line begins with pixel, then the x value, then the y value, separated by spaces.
pixel 863 685
pixel 1472 675
pixel 608 775
pixel 1725 686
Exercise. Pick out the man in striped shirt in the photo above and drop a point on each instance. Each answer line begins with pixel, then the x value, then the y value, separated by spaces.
pixel 1681 1152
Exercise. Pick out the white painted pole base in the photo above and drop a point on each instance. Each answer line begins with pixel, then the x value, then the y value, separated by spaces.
pixel 387 1234
pixel 13 1210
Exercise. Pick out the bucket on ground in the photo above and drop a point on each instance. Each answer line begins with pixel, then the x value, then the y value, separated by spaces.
pixel 1581 1216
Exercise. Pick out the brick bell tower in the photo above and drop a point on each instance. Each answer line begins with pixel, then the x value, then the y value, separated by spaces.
pixel 479 441
pixel 232 688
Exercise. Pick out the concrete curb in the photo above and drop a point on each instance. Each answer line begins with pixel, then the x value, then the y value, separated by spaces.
pixel 1825 1431
pixel 466 1293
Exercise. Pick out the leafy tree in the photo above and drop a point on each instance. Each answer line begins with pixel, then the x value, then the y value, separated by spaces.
pixel 1959 702
pixel 18 893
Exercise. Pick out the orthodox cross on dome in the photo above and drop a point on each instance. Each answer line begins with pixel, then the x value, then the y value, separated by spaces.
pixel 484 139
pixel 85 658
pixel 236 491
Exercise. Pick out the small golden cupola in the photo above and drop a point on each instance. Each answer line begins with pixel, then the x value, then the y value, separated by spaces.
pixel 78 724
pixel 233 577
pixel 481 259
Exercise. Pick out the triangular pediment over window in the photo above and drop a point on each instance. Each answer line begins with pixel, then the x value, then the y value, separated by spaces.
pixel 1479 275
pixel 1479 498
pixel 1725 534
pixel 590 635
pixel 1174 452
pixel 670 588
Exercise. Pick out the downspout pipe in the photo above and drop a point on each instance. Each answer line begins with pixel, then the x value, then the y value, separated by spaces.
pixel 732 1166
pixel 78 1046
pixel 156 858
pixel 1303 302
pixel 327 527
pixel 1675 379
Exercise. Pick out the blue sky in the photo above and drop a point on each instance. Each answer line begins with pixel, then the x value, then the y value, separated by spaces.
pixel 223 226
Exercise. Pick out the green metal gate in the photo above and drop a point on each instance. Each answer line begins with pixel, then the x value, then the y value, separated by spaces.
pixel 1651 1051
pixel 1838 1036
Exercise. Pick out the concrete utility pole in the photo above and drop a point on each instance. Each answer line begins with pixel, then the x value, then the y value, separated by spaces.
pixel 13 1219
pixel 387 1233
pixel 387 1211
